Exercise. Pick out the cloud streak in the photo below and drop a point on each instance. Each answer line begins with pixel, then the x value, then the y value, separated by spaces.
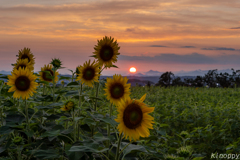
pixel 219 48
pixel 193 58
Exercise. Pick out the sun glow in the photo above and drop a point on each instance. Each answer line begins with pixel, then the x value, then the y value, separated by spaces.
pixel 132 70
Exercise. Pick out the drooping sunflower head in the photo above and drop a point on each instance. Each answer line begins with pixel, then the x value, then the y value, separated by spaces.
pixel 56 62
pixel 117 89
pixel 106 51
pixel 134 121
pixel 47 73
pixel 22 82
pixel 68 105
pixel 23 63
pixel 88 73
pixel 25 53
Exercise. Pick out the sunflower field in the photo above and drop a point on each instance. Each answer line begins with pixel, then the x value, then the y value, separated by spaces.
pixel 94 119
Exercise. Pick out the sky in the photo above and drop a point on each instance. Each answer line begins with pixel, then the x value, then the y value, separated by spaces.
pixel 159 35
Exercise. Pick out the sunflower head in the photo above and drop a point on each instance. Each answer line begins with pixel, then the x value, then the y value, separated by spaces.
pixel 68 105
pixel 18 140
pixel 88 73
pixel 170 157
pixel 47 73
pixel 106 51
pixel 25 53
pixel 185 151
pixel 56 63
pixel 133 118
pixel 184 134
pixel 22 82
pixel 117 89
pixel 23 63
pixel 5 83
pixel 62 82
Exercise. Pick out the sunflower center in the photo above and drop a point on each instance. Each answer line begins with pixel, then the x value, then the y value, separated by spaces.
pixel 24 56
pixel 117 90
pixel 88 73
pixel 106 53
pixel 132 116
pixel 21 66
pixel 22 83
pixel 47 76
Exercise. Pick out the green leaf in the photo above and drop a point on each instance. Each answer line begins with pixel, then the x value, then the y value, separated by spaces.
pixel 114 66
pixel 73 83
pixel 198 158
pixel 71 93
pixel 4 77
pixel 87 148
pixel 46 154
pixel 110 121
pixel 16 118
pixel 51 133
pixel 73 155
pixel 5 130
pixel 132 148
pixel 64 77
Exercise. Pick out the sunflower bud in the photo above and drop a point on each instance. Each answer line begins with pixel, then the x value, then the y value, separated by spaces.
pixel 17 140
pixel 56 63
pixel 184 151
pixel 170 157
pixel 184 134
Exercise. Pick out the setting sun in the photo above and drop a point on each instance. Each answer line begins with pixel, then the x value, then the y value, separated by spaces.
pixel 132 70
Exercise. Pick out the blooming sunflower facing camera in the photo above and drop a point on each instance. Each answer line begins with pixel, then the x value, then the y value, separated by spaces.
pixel 68 106
pixel 117 89
pixel 23 63
pixel 46 76
pixel 106 51
pixel 25 53
pixel 22 82
pixel 133 118
pixel 88 73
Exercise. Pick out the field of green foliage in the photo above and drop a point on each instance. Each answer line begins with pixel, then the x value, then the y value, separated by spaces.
pixel 189 123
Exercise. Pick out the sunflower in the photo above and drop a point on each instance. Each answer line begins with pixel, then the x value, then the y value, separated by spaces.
pixel 25 53
pixel 23 63
pixel 22 81
pixel 56 62
pixel 46 76
pixel 106 51
pixel 117 89
pixel 68 106
pixel 88 73
pixel 133 118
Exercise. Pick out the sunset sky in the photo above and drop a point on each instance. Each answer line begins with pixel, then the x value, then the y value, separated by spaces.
pixel 159 35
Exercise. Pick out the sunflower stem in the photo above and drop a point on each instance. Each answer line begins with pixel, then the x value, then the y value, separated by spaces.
pixel 1 117
pixel 27 119
pixel 118 147
pixel 108 128
pixel 54 88
pixel 74 126
pixel 79 105
pixel 95 107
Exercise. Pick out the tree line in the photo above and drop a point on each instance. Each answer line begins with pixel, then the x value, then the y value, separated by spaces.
pixel 211 79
